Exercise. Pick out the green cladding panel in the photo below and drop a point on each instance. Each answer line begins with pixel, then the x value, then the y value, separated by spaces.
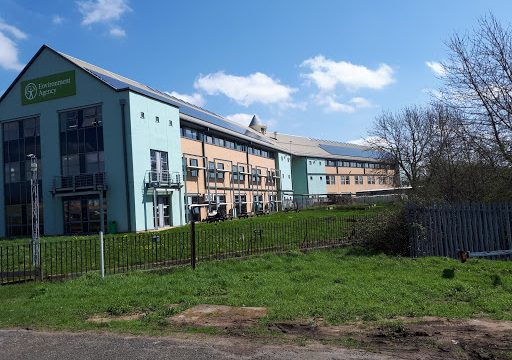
pixel 49 87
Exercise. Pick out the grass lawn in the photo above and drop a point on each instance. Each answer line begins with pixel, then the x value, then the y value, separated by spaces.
pixel 340 286
pixel 339 211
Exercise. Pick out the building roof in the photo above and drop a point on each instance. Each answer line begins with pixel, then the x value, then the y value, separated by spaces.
pixel 255 122
pixel 318 148
pixel 296 145
pixel 195 113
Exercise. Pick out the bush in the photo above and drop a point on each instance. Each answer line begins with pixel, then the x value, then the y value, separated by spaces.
pixel 386 233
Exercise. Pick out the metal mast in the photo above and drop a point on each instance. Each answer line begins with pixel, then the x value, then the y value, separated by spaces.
pixel 34 191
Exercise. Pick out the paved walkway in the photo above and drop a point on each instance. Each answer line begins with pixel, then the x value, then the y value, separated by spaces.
pixel 28 345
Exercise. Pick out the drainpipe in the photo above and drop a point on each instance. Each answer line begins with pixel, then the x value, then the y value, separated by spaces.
pixel 122 102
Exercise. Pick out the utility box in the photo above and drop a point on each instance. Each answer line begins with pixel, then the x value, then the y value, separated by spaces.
pixel 112 227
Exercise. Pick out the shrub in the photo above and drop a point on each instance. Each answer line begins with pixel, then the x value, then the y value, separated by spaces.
pixel 386 233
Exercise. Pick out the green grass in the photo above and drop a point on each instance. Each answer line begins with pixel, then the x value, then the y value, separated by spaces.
pixel 340 286
pixel 338 211
pixel 276 232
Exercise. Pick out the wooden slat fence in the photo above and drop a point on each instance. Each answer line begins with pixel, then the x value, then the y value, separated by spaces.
pixel 443 230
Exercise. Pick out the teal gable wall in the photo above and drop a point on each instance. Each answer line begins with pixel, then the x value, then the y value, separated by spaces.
pixel 299 175
pixel 147 134
pixel 284 164
pixel 90 91
pixel 316 183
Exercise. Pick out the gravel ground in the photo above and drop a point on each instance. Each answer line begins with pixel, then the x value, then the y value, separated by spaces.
pixel 27 345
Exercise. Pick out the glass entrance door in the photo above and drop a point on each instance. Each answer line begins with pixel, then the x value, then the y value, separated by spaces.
pixel 163 217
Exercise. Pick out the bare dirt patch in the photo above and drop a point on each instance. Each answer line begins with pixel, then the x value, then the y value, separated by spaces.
pixel 416 338
pixel 402 338
pixel 106 318
pixel 219 316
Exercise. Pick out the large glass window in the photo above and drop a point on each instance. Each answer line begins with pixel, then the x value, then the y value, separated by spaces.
pixel 241 204
pixel 20 139
pixel 81 141
pixel 82 214
pixel 257 203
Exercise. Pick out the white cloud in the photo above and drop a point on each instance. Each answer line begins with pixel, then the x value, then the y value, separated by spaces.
pixel 436 67
pixel 360 102
pixel 102 11
pixel 195 99
pixel 8 48
pixel 327 74
pixel 241 118
pixel 368 141
pixel 246 90
pixel 331 104
pixel 13 30
pixel 117 32
pixel 57 20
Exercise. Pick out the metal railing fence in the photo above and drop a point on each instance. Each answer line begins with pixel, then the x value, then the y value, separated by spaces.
pixel 63 259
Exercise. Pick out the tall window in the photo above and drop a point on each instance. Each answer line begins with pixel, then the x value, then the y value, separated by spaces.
pixel 345 180
pixel 20 138
pixel 192 171
pixel 257 203
pixel 330 180
pixel 358 180
pixel 371 180
pixel 81 141
pixel 211 170
pixel 271 177
pixel 256 176
pixel 159 166
pixel 220 171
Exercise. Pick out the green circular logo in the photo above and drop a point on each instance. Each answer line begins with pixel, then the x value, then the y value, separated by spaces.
pixel 31 91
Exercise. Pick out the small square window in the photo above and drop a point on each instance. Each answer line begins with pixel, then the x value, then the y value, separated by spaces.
pixel 170 122
pixel 157 119
pixel 142 115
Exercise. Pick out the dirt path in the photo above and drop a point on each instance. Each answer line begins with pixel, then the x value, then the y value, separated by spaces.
pixel 28 345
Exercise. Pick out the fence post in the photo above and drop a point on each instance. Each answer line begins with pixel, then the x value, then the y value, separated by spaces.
pixel 102 256
pixel 193 244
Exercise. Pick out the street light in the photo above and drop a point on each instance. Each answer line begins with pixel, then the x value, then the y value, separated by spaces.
pixel 34 198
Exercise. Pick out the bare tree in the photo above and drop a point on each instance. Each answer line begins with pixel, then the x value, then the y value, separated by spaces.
pixel 479 82
pixel 404 138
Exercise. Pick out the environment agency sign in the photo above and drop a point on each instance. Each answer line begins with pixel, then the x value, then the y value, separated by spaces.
pixel 48 88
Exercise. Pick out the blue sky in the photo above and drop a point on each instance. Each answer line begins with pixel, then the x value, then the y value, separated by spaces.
pixel 316 68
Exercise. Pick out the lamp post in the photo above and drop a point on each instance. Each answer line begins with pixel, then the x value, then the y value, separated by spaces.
pixel 34 198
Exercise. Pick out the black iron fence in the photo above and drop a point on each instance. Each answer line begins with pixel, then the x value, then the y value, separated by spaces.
pixel 61 259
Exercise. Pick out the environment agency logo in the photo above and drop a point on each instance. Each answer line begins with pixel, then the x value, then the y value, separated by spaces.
pixel 48 87
pixel 30 91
